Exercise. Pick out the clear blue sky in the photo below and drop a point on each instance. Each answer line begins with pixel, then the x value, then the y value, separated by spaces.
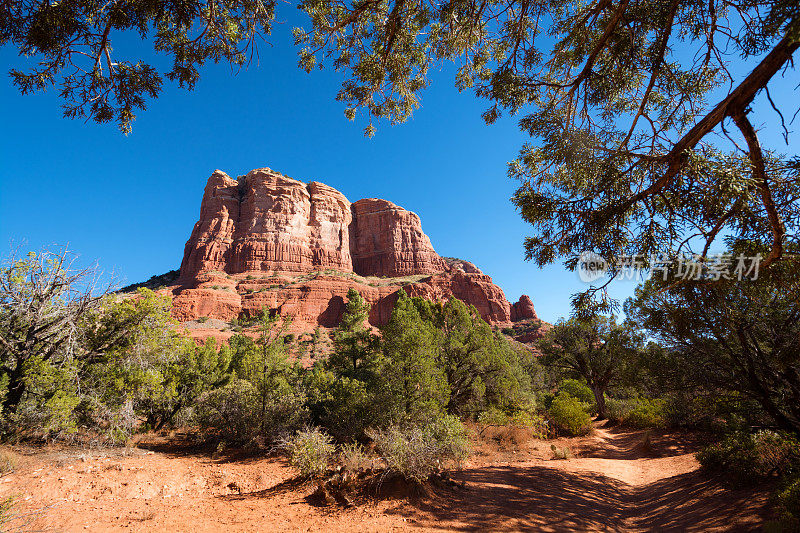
pixel 130 202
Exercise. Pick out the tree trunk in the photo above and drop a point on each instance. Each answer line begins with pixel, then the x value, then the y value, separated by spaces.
pixel 167 419
pixel 16 388
pixel 600 400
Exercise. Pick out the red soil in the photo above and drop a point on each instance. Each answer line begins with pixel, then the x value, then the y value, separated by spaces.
pixel 615 483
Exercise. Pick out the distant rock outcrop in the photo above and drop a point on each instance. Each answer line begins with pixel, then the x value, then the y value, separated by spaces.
pixel 523 309
pixel 266 241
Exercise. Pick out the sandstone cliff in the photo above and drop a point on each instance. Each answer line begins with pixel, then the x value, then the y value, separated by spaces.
pixel 266 241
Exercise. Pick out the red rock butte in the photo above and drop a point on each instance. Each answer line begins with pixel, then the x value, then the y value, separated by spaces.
pixel 267 241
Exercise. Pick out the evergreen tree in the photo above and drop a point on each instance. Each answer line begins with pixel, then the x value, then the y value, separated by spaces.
pixel 417 383
pixel 479 365
pixel 354 345
pixel 598 350
pixel 731 339
pixel 71 41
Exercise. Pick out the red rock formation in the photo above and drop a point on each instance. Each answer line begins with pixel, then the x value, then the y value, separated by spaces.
pixel 268 222
pixel 459 264
pixel 523 309
pixel 474 289
pixel 264 241
pixel 208 246
pixel 387 240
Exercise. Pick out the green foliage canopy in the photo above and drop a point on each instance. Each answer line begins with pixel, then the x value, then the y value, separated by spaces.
pixel 598 350
pixel 72 40
pixel 729 337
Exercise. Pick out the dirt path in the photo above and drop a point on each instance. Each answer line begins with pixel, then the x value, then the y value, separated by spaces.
pixel 615 483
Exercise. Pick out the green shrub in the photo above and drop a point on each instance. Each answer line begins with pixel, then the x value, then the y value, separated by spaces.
pixel 230 412
pixel 570 415
pixel 520 419
pixel 237 413
pixel 545 399
pixel 418 452
pixel 647 413
pixel 310 450
pixel 787 503
pixel 493 416
pixel 345 407
pixel 748 458
pixel 202 319
pixel 578 389
pixel 354 458
pixel 617 409
pixel 637 412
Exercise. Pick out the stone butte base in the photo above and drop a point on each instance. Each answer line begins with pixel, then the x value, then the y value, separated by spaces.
pixel 266 241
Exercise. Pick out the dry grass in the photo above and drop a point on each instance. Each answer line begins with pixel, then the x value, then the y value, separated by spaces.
pixel 563 454
pixel 507 436
pixel 9 461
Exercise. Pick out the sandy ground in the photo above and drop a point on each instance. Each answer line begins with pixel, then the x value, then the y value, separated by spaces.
pixel 615 483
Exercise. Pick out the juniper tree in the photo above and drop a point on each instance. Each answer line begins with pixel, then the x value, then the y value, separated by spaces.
pixel 70 43
pixel 598 350
pixel 642 140
pixel 729 338
pixel 355 346
pixel 44 300
pixel 641 135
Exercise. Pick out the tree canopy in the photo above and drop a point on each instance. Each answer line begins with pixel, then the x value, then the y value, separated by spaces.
pixel 598 350
pixel 642 140
pixel 729 338
pixel 629 154
pixel 71 41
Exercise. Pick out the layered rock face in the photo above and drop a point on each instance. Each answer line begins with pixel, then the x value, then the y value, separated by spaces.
pixel 388 241
pixel 266 221
pixel 269 241
pixel 209 245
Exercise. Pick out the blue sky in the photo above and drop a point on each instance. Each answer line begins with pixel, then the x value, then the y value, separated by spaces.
pixel 130 202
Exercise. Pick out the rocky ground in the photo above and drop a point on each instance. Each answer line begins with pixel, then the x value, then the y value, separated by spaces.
pixel 618 481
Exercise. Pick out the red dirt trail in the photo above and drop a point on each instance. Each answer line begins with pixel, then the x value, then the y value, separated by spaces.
pixel 615 483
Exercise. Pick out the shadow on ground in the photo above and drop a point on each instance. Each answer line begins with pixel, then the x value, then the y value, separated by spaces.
pixel 540 498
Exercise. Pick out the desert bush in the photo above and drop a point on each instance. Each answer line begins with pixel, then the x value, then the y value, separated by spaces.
pixel 617 409
pixel 647 413
pixel 417 452
pixel 748 458
pixel 353 457
pixel 787 504
pixel 6 507
pixel 229 412
pixel 534 424
pixel 637 412
pixel 345 407
pixel 559 453
pixel 577 389
pixel 310 450
pixel 237 413
pixel 8 462
pixel 493 416
pixel 570 415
